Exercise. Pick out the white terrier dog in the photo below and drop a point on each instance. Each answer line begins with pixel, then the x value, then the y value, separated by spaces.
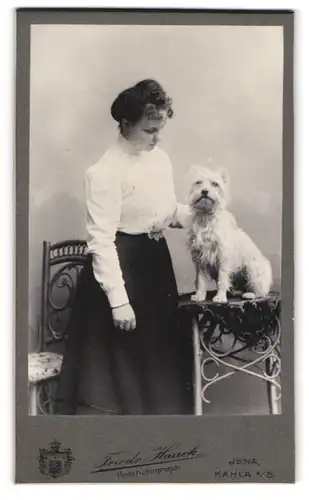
pixel 220 250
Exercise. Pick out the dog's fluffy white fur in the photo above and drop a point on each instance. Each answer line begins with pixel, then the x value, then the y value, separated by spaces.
pixel 220 250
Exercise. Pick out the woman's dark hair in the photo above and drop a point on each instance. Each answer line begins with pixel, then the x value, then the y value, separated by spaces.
pixel 132 103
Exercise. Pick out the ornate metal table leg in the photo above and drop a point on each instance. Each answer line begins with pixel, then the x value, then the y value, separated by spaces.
pixel 263 345
pixel 198 401
pixel 273 399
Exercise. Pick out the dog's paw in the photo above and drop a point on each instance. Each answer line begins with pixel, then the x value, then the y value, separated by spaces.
pixel 220 299
pixel 198 297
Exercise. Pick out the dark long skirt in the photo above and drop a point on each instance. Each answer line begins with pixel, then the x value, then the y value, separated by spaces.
pixel 147 371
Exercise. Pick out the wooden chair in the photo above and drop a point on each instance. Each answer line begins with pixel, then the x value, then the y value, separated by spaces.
pixel 62 263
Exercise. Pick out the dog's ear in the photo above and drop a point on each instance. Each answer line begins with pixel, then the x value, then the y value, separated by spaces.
pixel 224 175
pixel 192 173
pixel 194 169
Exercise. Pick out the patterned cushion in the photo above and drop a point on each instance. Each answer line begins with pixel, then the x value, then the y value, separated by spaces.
pixel 43 365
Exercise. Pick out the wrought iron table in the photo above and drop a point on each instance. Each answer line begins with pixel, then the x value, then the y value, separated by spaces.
pixel 250 327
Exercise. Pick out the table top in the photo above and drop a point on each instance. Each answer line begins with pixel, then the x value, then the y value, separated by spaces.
pixel 235 301
pixel 247 319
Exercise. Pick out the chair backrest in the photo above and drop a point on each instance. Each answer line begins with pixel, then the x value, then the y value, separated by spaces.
pixel 62 263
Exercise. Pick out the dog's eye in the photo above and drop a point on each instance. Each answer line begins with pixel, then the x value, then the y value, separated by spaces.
pixel 215 184
pixel 198 183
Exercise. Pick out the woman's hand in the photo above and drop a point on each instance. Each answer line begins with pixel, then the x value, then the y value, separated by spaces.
pixel 124 317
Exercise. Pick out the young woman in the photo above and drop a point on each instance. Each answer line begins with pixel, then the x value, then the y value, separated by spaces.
pixel 125 351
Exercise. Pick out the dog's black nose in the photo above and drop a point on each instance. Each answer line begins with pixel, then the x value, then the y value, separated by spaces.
pixel 204 192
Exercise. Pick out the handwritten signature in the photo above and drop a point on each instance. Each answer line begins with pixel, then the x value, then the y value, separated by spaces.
pixel 158 455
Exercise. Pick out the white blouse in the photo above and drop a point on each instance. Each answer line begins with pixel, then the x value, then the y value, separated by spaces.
pixel 130 191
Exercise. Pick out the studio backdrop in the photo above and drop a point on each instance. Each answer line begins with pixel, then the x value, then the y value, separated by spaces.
pixel 226 84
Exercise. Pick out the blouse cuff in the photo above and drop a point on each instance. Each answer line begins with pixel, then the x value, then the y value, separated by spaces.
pixel 117 297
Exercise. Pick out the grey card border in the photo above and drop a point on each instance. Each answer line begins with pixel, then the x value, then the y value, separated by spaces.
pixel 269 438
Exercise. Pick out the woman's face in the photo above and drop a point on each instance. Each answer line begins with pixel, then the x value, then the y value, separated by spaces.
pixel 144 135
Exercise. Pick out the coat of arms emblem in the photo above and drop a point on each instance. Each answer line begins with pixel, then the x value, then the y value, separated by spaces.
pixel 54 461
